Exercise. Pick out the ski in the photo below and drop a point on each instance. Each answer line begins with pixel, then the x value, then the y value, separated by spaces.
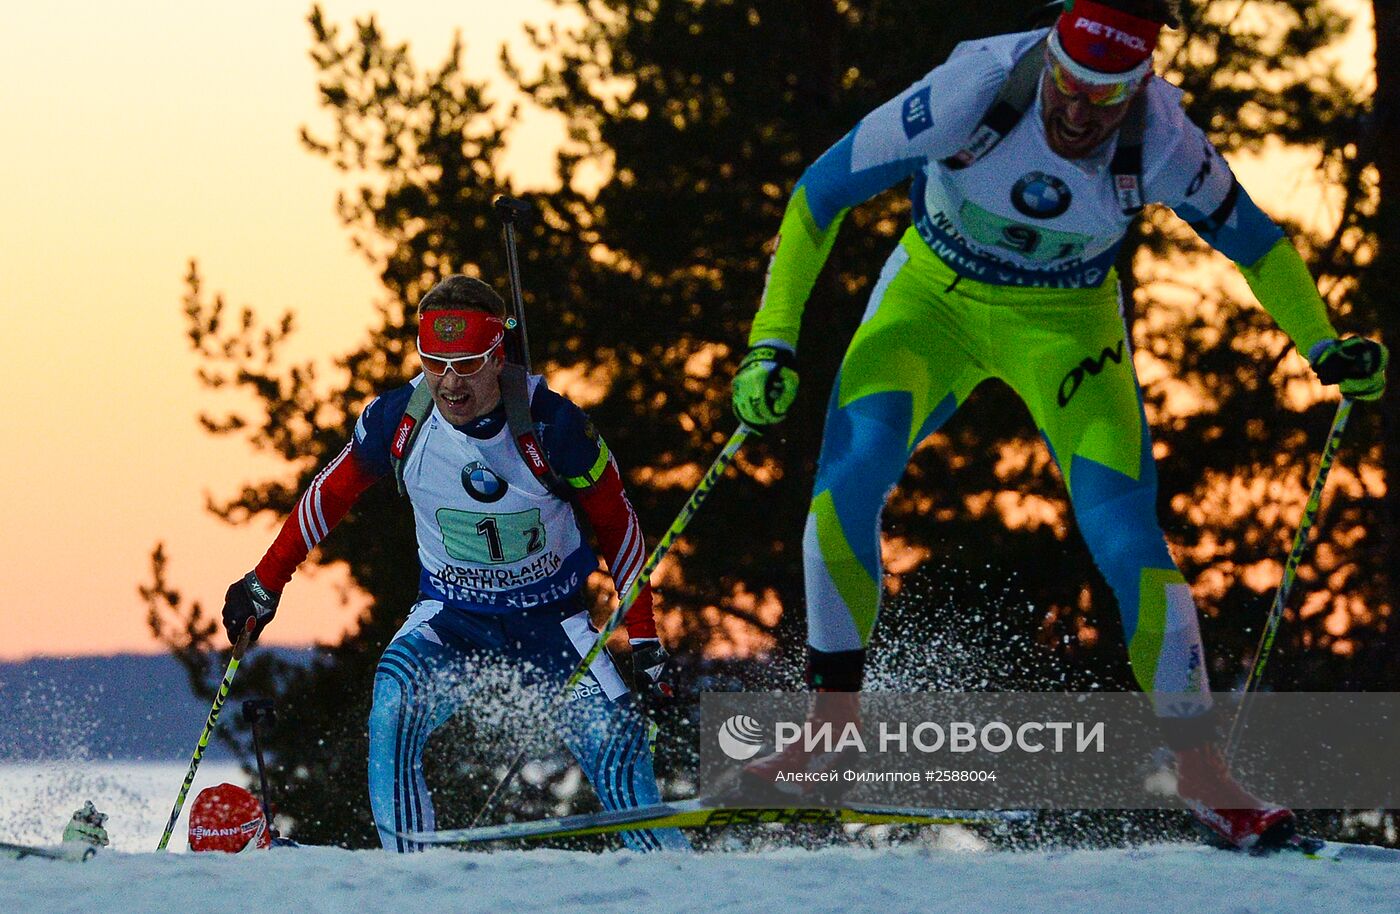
pixel 705 812
pixel 73 854
pixel 1314 848
pixel 1322 849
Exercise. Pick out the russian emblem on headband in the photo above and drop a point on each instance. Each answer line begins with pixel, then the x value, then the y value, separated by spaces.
pixel 448 328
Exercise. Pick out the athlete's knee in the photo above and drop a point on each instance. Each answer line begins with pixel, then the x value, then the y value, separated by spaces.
pixel 387 714
pixel 399 681
pixel 1122 531
pixel 1133 549
pixel 865 448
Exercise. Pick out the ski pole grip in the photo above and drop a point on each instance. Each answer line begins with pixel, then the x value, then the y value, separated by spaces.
pixel 259 710
pixel 512 210
pixel 240 647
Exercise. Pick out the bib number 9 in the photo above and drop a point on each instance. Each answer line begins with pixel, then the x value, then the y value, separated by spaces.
pixel 1021 238
pixel 1042 245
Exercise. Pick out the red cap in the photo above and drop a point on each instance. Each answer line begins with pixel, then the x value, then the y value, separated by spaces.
pixel 1104 41
pixel 227 818
pixel 459 332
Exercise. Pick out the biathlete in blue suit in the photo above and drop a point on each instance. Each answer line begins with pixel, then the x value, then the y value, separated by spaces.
pixel 502 558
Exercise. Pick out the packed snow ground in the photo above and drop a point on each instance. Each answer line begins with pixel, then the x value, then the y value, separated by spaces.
pixel 35 801
pixel 1161 880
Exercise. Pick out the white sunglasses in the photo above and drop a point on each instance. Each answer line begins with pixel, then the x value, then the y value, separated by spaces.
pixel 471 364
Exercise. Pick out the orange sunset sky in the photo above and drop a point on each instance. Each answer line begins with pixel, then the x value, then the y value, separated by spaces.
pixel 140 135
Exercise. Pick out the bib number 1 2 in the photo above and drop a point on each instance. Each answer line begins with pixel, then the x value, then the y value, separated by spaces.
pixel 491 539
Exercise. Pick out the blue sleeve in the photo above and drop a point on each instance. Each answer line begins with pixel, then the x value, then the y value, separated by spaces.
pixel 570 441
pixel 375 430
pixel 928 121
pixel 1237 228
pixel 834 184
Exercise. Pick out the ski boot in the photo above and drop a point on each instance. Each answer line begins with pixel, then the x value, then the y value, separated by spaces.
pixel 798 773
pixel 1224 807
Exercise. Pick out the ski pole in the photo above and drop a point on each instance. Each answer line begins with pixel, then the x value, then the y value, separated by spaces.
pixel 255 712
pixel 512 211
pixel 1290 573
pixel 239 649
pixel 688 511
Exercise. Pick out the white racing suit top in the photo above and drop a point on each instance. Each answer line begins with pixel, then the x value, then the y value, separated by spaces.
pixel 1022 215
pixel 489 533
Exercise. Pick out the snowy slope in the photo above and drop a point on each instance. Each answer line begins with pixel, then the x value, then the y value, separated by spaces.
pixel 1160 880
pixel 35 801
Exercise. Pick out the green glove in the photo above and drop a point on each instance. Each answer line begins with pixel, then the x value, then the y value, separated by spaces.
pixel 1355 363
pixel 765 384
pixel 86 827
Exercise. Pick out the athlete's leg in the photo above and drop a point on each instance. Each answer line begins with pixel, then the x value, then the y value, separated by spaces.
pixel 1074 369
pixel 610 740
pixel 412 698
pixel 600 722
pixel 1084 394
pixel 910 365
pixel 908 368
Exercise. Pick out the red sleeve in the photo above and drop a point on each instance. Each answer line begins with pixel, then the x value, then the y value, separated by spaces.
pixel 620 538
pixel 324 503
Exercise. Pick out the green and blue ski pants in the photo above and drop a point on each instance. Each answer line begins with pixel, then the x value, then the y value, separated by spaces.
pixel 927 339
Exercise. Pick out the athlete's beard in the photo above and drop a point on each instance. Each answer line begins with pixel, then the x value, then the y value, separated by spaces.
pixel 1069 142
pixel 1075 138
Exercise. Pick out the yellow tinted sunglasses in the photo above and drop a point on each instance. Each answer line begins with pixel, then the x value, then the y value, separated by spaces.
pixel 1102 96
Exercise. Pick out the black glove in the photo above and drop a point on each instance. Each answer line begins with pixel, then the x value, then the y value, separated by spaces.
pixel 246 599
pixel 651 671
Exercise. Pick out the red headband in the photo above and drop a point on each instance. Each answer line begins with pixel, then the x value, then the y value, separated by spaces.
pixel 459 332
pixel 1104 40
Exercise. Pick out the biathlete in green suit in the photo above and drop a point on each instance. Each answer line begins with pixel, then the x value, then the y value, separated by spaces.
pixel 1030 155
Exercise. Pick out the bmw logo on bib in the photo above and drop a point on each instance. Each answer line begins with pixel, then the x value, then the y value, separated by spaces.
pixel 481 483
pixel 1040 196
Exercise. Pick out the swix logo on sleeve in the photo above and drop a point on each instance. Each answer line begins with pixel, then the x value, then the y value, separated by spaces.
pixel 257 588
pixel 401 436
pixel 1099 30
pixel 532 454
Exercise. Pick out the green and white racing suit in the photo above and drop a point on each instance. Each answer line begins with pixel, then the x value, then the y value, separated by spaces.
pixel 1007 272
